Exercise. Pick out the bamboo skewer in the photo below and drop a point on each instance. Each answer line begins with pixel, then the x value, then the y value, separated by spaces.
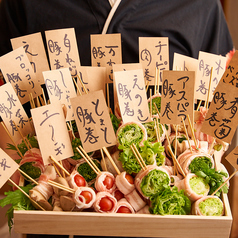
pixel 156 130
pixel 157 120
pixel 62 170
pixel 43 94
pixel 176 162
pixel 158 81
pixel 192 130
pixel 38 102
pixel 76 85
pixel 157 110
pixel 61 186
pixel 151 104
pixel 41 100
pixel 5 128
pixel 56 169
pixel 211 146
pixel 108 99
pixel 32 101
pixel 38 205
pixel 186 132
pixel 223 183
pixel 69 125
pixel 84 88
pixel 199 105
pixel 103 159
pixel 25 174
pixel 88 159
pixel 92 167
pixel 137 157
pixel 25 140
pixel 175 149
pixel 172 154
pixel 111 160
pixel 156 78
pixel 209 89
pixel 147 86
pixel 53 159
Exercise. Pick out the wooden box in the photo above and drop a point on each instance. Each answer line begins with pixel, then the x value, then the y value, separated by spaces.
pixel 128 225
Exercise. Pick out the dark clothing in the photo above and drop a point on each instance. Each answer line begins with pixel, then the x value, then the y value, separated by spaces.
pixel 192 26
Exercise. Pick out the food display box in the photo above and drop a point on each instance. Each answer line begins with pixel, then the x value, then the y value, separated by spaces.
pixel 127 225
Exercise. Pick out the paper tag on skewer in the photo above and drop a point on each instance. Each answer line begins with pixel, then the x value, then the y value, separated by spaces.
pixel 60 87
pixel 231 74
pixel 52 133
pixel 93 78
pixel 131 95
pixel 221 119
pixel 177 98
pixel 35 51
pixel 12 111
pixel 17 70
pixel 63 49
pixel 93 121
pixel 185 63
pixel 206 61
pixel 7 167
pixel 154 53
pixel 106 51
pixel 123 67
pixel 232 158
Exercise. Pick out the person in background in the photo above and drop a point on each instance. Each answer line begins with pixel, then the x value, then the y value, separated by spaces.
pixel 191 26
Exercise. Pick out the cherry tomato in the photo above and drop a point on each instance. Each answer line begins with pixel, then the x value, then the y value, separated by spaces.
pixel 118 195
pixel 79 180
pixel 108 182
pixel 106 204
pixel 129 178
pixel 87 195
pixel 123 209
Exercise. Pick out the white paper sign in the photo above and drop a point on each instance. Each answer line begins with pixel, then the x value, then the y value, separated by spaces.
pixel 11 111
pixel 35 51
pixel 17 70
pixel 184 63
pixel 206 61
pixel 60 87
pixel 52 133
pixel 7 167
pixel 131 95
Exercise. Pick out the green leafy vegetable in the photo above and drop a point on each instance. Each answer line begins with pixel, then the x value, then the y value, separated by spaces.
pixel 130 163
pixel 151 132
pixel 154 182
pixel 180 139
pixel 199 163
pixel 76 142
pixel 199 185
pixel 157 148
pixel 31 170
pixel 86 171
pixel 18 201
pixel 215 179
pixel 202 167
pixel 157 101
pixel 22 147
pixel 170 202
pixel 115 122
pixel 130 134
pixel 147 152
pixel 211 207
